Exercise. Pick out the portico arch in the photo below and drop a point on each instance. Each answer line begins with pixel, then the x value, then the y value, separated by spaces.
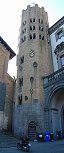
pixel 52 92
pixel 55 105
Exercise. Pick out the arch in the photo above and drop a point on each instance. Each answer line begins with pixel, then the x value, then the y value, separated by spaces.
pixel 32 130
pixel 53 104
pixel 52 92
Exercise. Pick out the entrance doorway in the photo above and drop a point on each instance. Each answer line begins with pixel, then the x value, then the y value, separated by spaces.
pixel 57 111
pixel 62 120
pixel 32 130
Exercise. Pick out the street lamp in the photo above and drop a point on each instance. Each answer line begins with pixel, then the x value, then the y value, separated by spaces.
pixel 31 90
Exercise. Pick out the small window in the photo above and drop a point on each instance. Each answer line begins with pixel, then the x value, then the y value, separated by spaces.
pixel 59 34
pixel 24 23
pixel 20 99
pixel 62 60
pixel 24 38
pixel 31 20
pixel 34 36
pixel 22 31
pixel 39 36
pixel 33 27
pixel 26 98
pixel 25 30
pixel 42 37
pixel 20 82
pixel 30 28
pixel 30 36
pixel 39 20
pixel 22 60
pixel 39 28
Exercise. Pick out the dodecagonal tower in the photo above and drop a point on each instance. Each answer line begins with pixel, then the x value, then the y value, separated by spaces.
pixel 33 62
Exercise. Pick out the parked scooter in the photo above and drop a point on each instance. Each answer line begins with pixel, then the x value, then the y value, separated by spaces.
pixel 24 144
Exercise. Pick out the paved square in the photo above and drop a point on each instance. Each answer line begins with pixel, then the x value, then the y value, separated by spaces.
pixel 49 147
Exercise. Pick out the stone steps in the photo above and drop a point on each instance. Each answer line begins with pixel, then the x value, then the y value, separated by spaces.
pixel 7 140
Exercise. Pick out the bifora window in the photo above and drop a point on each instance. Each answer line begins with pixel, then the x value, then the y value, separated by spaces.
pixel 20 99
pixel 59 51
pixel 22 60
pixel 34 36
pixel 59 34
pixel 33 27
pixel 30 27
pixel 30 36
pixel 33 19
pixel 30 20
pixel 20 82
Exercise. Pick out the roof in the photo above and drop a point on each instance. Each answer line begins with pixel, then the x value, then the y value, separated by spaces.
pixel 54 27
pixel 12 53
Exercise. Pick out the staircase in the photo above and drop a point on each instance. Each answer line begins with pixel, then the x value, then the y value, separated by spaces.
pixel 7 140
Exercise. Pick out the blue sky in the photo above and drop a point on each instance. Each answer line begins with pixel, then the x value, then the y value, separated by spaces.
pixel 10 19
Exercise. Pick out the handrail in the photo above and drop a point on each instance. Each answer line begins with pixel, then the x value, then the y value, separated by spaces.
pixel 59 73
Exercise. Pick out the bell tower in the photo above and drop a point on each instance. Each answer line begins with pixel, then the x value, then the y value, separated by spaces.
pixel 33 60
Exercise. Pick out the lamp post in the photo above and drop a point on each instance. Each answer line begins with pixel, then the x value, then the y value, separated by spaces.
pixel 31 90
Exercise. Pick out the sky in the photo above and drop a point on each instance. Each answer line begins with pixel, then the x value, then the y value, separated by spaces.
pixel 10 21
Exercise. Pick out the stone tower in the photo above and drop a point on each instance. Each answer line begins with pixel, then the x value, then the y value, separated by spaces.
pixel 33 62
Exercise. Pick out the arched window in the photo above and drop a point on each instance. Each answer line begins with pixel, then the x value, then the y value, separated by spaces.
pixel 39 28
pixel 30 20
pixel 33 27
pixel 39 36
pixel 59 51
pixel 33 19
pixel 35 68
pixel 34 36
pixel 30 27
pixel 30 36
pixel 20 99
pixel 42 37
pixel 39 20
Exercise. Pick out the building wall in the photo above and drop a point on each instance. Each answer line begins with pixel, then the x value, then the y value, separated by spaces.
pixel 54 43
pixel 8 110
pixel 4 58
pixel 6 91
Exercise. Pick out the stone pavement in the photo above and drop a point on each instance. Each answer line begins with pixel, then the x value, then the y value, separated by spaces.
pixel 51 147
pixel 8 144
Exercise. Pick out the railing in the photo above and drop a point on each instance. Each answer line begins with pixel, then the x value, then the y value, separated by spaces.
pixel 52 78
